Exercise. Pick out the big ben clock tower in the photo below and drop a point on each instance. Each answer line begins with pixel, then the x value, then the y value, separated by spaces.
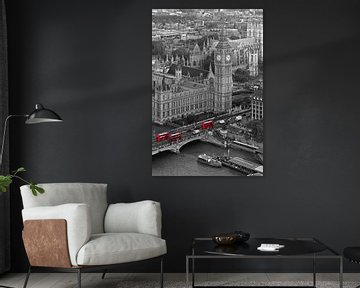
pixel 223 83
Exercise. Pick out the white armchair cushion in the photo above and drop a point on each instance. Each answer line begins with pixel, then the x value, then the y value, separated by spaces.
pixel 138 217
pixel 78 221
pixel 93 194
pixel 113 248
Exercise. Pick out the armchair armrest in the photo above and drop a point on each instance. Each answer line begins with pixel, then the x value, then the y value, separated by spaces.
pixel 78 225
pixel 138 217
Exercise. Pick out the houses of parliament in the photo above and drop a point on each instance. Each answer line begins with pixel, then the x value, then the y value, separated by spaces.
pixel 185 88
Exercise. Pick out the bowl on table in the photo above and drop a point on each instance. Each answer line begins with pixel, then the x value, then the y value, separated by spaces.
pixel 231 238
pixel 224 239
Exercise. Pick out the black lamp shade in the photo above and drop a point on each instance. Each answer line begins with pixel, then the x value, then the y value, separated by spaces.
pixel 42 115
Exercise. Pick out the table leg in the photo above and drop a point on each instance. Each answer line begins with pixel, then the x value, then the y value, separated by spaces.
pixel 341 273
pixel 314 271
pixel 187 272
pixel 193 268
pixel 193 272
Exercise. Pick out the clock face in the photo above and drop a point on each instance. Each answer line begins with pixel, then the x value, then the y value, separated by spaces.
pixel 218 57
pixel 228 57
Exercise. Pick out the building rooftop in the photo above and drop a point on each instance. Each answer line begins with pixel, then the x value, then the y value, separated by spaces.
pixel 236 43
pixel 242 41
pixel 186 70
pixel 223 44
pixel 160 74
pixel 189 85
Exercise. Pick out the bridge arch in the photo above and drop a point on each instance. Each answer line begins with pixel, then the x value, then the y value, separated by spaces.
pixel 187 142
pixel 176 146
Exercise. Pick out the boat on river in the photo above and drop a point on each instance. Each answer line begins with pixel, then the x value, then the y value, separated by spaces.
pixel 208 160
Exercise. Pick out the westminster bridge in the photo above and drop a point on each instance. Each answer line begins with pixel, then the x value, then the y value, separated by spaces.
pixel 186 137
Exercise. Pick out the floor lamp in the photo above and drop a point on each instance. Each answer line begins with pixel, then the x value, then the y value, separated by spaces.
pixel 39 115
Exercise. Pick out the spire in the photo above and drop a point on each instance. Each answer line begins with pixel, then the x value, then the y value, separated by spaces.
pixel 178 72
pixel 223 42
pixel 204 50
pixel 210 69
pixel 222 33
pixel 163 83
pixel 196 49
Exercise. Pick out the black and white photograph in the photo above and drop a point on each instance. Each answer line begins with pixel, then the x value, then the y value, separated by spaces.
pixel 207 92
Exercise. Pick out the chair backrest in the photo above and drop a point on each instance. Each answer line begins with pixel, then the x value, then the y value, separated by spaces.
pixel 62 193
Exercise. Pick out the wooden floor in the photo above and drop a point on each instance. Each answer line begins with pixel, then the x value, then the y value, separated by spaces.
pixel 116 280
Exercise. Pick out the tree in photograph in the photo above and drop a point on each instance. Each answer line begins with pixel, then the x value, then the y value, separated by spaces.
pixel 158 48
pixel 243 101
pixel 210 24
pixel 190 119
pixel 256 130
pixel 233 37
pixel 214 35
pixel 202 41
pixel 167 19
pixel 180 52
pixel 241 76
pixel 261 67
pixel 246 101
pixel 209 60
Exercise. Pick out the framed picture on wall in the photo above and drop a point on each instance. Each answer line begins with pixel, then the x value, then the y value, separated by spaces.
pixel 207 92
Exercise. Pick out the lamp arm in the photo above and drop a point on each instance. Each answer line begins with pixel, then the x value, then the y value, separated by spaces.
pixel 4 134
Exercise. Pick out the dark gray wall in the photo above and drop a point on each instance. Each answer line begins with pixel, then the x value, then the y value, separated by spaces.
pixel 90 61
pixel 4 166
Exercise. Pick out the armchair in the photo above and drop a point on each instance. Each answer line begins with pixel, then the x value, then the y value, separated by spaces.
pixel 71 228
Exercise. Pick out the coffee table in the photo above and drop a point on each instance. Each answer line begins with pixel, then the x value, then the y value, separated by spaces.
pixel 294 248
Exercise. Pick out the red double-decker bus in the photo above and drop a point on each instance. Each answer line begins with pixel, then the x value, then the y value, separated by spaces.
pixel 207 124
pixel 162 136
pixel 175 136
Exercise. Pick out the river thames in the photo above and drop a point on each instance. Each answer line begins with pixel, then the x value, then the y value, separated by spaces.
pixel 186 164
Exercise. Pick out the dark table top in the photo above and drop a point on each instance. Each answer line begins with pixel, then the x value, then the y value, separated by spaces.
pixel 292 247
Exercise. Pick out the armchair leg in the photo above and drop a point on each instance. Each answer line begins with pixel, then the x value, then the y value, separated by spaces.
pixel 103 275
pixel 27 277
pixel 161 273
pixel 79 277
